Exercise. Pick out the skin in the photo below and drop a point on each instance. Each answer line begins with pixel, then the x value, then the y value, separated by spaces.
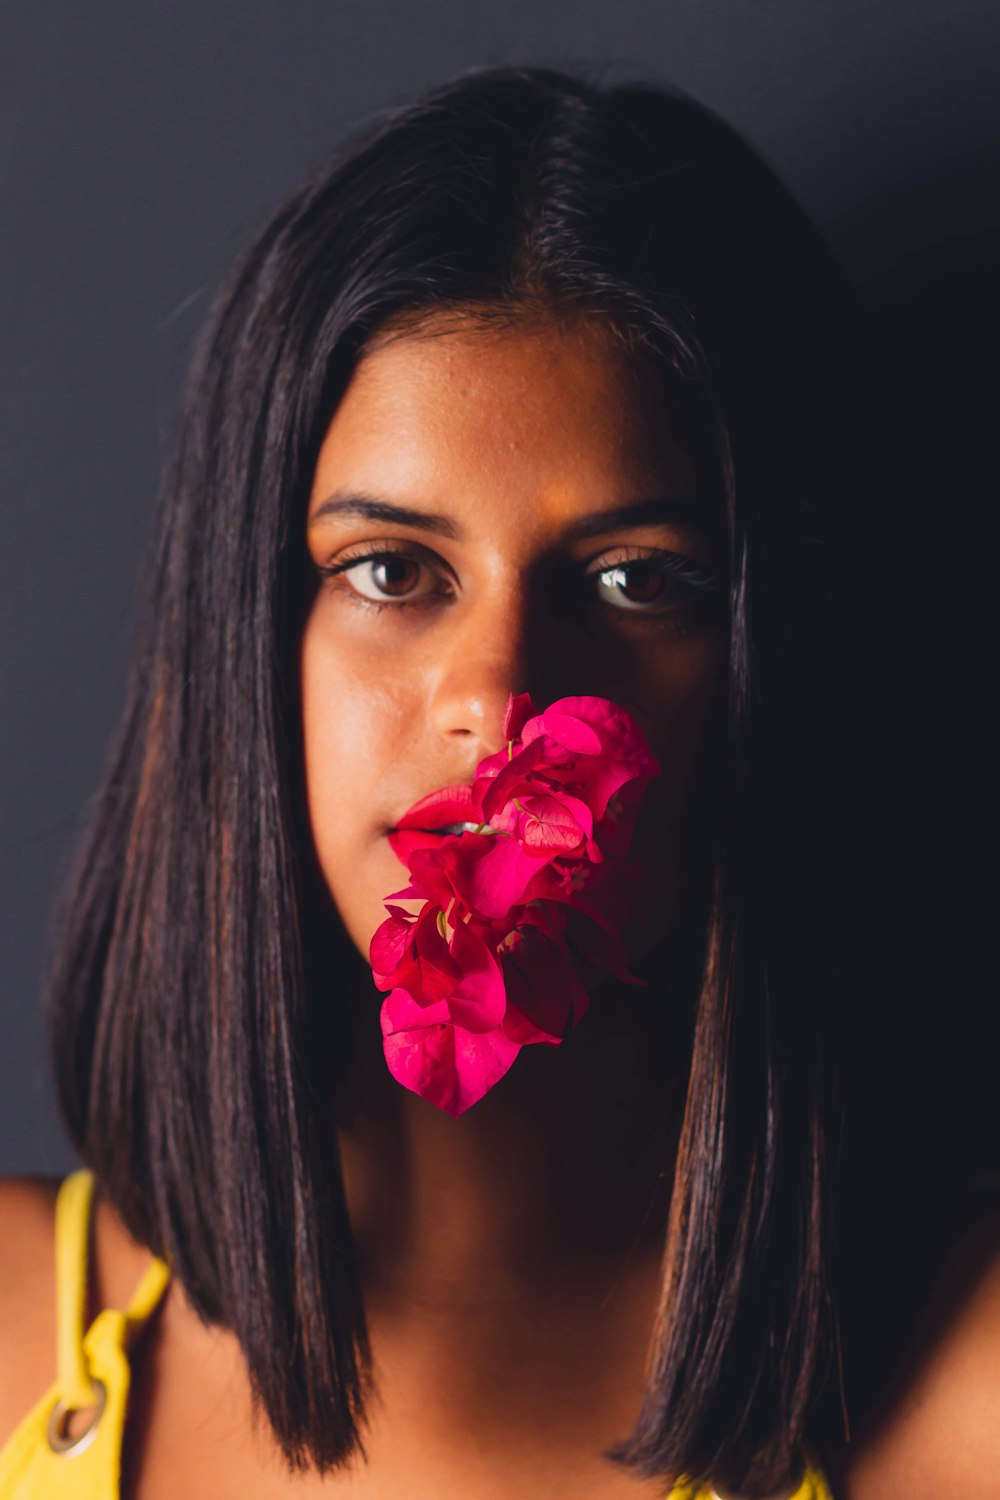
pixel 510 1259
pixel 511 439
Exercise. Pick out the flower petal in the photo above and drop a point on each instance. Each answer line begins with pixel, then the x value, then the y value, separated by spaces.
pixel 448 1066
pixel 545 997
pixel 496 882
pixel 479 999
pixel 567 731
pixel 519 710
pixel 389 944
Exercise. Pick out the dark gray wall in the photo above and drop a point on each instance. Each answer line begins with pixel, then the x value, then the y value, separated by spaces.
pixel 141 144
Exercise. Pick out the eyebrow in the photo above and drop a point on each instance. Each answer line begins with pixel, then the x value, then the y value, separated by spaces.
pixel 366 508
pixel 659 512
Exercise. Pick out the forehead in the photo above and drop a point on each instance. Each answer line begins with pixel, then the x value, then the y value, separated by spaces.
pixel 554 409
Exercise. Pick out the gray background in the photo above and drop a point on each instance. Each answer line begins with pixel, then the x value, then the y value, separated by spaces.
pixel 141 144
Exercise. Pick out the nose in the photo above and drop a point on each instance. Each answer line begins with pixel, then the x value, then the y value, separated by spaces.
pixel 486 660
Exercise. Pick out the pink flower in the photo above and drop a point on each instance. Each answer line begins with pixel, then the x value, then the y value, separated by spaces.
pixel 516 911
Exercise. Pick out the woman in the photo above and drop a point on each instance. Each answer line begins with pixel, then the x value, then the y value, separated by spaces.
pixel 538 389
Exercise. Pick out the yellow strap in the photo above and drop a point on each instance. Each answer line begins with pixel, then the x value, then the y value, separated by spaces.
pixel 813 1486
pixel 72 1236
pixel 146 1296
pixel 73 1213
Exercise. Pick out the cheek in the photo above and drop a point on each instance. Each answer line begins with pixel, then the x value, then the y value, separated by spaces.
pixel 676 712
pixel 349 710
pixel 676 716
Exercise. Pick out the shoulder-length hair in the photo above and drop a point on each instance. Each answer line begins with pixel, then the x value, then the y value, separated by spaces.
pixel 190 971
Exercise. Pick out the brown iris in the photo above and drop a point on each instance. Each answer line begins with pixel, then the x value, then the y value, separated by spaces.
pixel 638 581
pixel 395 575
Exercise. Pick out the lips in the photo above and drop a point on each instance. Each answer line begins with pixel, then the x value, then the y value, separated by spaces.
pixel 428 820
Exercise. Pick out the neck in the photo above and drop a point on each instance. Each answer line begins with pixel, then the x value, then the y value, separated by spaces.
pixel 556 1183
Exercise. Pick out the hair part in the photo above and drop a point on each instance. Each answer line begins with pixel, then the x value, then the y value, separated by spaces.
pixel 188 997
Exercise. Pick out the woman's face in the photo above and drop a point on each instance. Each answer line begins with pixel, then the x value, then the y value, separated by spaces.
pixel 493 512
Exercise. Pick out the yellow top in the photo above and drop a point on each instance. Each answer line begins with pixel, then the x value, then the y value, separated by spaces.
pixel 47 1458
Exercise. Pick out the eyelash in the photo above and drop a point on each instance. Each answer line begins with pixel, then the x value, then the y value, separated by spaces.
pixel 703 590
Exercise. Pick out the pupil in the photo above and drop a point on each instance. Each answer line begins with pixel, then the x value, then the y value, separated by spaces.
pixel 394 575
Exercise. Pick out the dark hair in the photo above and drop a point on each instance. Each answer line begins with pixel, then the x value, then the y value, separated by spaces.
pixel 188 1038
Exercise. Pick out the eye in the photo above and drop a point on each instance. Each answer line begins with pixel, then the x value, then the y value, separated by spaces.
pixel 651 583
pixel 387 576
pixel 390 576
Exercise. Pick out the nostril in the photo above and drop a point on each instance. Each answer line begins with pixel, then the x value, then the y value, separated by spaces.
pixel 468 700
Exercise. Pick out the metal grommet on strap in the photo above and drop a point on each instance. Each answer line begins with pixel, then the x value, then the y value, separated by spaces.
pixel 61 1440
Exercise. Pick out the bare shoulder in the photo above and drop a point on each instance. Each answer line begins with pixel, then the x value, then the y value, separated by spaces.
pixel 27 1294
pixel 938 1432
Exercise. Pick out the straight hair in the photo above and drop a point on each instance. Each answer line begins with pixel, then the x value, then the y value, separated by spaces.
pixel 188 994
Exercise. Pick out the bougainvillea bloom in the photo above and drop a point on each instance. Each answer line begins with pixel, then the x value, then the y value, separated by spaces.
pixel 519 906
